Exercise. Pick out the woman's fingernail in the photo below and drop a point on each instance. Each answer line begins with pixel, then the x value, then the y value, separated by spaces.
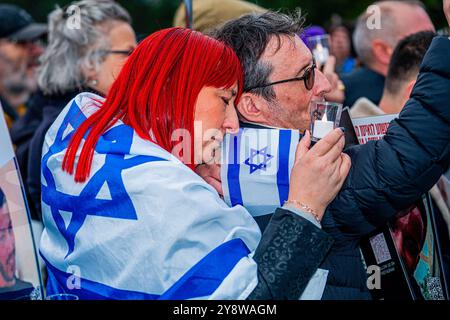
pixel 342 128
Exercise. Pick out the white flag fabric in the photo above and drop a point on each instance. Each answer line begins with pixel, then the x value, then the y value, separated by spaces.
pixel 255 172
pixel 256 168
pixel 143 226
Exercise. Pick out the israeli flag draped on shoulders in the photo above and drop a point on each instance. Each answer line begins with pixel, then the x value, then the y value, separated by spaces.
pixel 143 226
pixel 255 172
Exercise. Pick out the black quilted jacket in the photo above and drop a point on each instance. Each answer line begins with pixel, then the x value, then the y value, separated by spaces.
pixel 390 174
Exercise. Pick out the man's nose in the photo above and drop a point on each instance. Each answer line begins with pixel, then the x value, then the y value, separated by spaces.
pixel 35 49
pixel 322 85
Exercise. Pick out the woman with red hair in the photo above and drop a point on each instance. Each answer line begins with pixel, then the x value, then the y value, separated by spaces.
pixel 126 216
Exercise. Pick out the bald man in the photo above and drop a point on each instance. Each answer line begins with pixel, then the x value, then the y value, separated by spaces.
pixel 375 43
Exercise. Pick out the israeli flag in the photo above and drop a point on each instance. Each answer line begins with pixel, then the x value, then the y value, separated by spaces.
pixel 256 168
pixel 143 226
pixel 255 172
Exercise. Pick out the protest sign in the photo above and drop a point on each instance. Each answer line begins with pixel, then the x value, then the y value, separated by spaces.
pixel 20 278
pixel 372 128
pixel 408 249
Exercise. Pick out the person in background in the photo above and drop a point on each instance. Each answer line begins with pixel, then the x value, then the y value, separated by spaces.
pixel 87 58
pixel 208 14
pixel 11 287
pixel 342 48
pixel 19 52
pixel 311 31
pixel 401 77
pixel 336 94
pixel 375 44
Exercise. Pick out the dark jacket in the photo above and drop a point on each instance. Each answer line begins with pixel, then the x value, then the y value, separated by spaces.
pixel 363 82
pixel 21 132
pixel 390 174
pixel 27 134
pixel 51 107
pixel 289 253
pixel 10 113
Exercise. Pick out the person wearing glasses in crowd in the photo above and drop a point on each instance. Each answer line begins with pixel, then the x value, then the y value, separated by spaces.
pixel 78 58
pixel 11 287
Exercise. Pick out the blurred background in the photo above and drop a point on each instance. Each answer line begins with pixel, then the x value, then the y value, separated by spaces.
pixel 151 15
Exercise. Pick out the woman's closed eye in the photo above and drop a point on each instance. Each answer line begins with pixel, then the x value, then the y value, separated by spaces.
pixel 225 100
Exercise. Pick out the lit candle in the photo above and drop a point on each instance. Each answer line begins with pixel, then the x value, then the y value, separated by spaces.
pixel 322 128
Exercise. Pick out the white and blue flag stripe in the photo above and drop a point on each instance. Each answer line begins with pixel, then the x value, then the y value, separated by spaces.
pixel 256 167
pixel 255 172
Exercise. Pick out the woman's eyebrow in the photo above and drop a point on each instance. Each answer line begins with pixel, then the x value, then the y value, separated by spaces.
pixel 228 91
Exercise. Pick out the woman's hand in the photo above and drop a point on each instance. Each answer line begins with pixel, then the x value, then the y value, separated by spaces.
pixel 319 172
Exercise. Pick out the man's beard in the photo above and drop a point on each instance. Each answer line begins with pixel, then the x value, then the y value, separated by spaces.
pixel 7 276
pixel 281 118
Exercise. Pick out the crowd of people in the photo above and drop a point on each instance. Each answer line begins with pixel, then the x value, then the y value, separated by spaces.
pixel 93 115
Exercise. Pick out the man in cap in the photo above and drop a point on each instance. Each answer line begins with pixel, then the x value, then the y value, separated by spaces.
pixel 19 53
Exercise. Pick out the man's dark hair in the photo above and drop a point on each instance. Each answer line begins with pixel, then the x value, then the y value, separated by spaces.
pixel 249 35
pixel 406 60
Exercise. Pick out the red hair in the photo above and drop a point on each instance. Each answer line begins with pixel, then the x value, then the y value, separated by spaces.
pixel 156 91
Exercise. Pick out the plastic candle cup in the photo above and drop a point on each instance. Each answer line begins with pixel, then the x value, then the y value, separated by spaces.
pixel 325 117
pixel 322 128
pixel 320 47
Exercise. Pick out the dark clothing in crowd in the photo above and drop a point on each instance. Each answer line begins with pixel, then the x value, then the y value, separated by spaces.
pixel 299 245
pixel 388 175
pixel 21 133
pixel 28 135
pixel 10 113
pixel 20 291
pixel 51 108
pixel 363 82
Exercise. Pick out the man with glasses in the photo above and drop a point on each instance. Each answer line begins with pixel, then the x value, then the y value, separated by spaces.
pixel 11 288
pixel 280 81
pixel 20 49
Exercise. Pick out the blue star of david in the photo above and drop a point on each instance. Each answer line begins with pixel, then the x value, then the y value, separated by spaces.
pixel 115 143
pixel 254 155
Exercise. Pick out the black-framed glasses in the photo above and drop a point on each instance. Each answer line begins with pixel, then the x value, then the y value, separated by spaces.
pixel 308 77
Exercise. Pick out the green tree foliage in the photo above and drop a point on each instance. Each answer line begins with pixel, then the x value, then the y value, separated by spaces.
pixel 151 15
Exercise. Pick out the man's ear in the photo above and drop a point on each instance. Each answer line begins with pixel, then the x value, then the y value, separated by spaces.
pixel 409 89
pixel 249 107
pixel 382 51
